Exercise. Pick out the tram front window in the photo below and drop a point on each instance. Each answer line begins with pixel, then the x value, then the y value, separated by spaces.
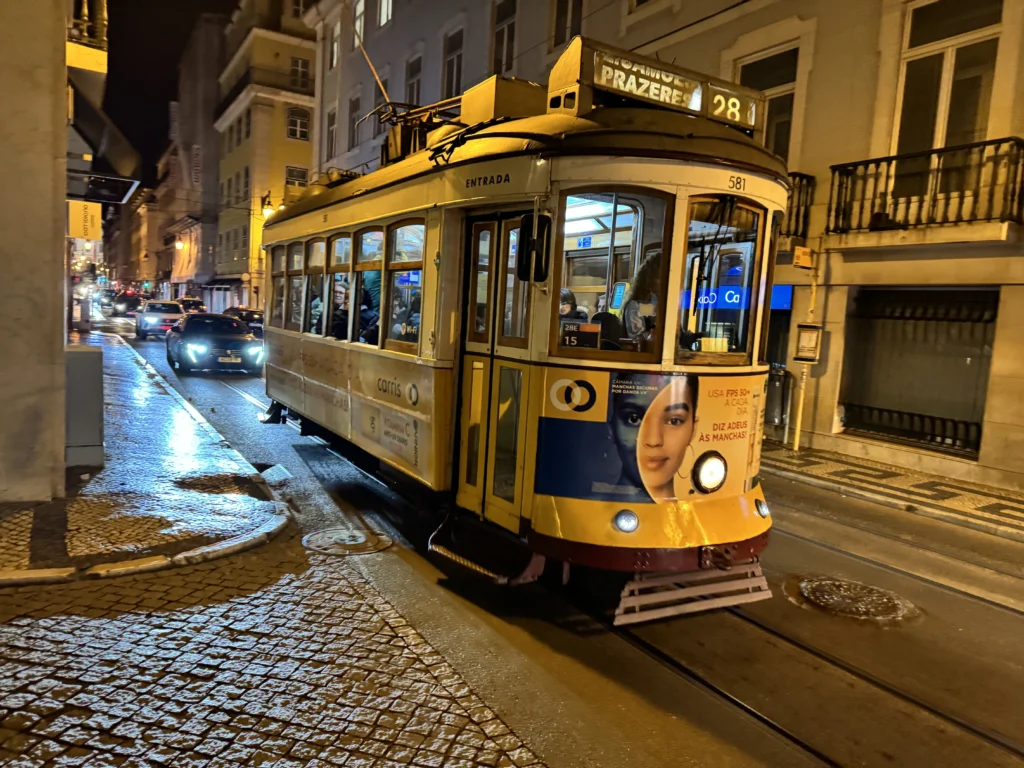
pixel 612 295
pixel 718 301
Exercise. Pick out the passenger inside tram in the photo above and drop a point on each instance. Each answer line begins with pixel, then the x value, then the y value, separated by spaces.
pixel 613 275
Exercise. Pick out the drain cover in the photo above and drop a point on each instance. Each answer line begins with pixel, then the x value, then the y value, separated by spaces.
pixel 854 600
pixel 346 541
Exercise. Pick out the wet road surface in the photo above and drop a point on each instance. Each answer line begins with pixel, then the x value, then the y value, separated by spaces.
pixel 777 683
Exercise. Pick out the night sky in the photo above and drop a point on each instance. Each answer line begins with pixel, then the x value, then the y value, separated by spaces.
pixel 146 39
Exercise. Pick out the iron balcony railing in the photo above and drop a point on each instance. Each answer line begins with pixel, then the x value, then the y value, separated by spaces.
pixel 87 23
pixel 798 211
pixel 953 185
pixel 271 78
pixel 934 432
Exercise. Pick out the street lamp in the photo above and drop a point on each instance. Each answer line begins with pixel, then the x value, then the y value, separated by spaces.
pixel 178 244
pixel 268 207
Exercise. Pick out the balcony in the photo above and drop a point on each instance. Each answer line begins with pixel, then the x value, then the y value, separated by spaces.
pixel 267 78
pixel 970 192
pixel 798 211
pixel 87 23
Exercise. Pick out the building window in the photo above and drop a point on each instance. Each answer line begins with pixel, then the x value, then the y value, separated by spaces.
pixel 300 73
pixel 298 124
pixel 378 100
pixel 452 85
pixel 245 182
pixel 353 123
pixel 358 21
pixel 504 37
pixel 238 132
pixel 245 239
pixel 223 145
pixel 298 8
pixel 331 148
pixel 220 246
pixel 413 70
pixel 775 75
pixel 248 122
pixel 234 244
pixel 238 186
pixel 335 44
pixel 384 10
pixel 295 177
pixel 231 193
pixel 568 20
pixel 223 199
pixel 948 67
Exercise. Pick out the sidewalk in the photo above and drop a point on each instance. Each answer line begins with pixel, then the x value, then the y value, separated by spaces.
pixel 991 510
pixel 172 491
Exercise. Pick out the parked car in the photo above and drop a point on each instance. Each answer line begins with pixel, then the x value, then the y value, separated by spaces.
pixel 192 305
pixel 213 342
pixel 251 317
pixel 157 317
pixel 107 298
pixel 126 304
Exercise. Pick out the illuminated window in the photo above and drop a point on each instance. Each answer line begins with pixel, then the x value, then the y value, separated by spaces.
pixel 298 124
pixel 384 9
pixel 296 177
pixel 335 44
pixel 504 37
pixel 452 85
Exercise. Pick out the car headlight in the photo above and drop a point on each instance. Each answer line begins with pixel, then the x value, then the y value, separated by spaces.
pixel 709 472
pixel 199 349
pixel 120 307
pixel 626 520
pixel 150 320
pixel 255 349
pixel 762 507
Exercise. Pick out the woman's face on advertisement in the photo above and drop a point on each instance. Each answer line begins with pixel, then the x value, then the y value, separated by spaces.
pixel 626 420
pixel 665 433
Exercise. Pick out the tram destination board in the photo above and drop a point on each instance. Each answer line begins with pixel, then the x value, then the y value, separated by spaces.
pixel 580 334
pixel 676 89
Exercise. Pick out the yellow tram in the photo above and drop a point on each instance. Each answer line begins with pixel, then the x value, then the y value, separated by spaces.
pixel 552 308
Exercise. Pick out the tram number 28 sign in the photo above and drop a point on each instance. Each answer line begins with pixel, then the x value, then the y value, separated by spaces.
pixel 673 89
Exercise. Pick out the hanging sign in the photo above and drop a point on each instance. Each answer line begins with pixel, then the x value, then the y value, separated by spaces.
pixel 85 220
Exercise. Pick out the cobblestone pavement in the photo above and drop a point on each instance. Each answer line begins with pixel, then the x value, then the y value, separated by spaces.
pixel 994 510
pixel 276 657
pixel 170 484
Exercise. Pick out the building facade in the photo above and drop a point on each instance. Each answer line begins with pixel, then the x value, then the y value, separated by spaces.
pixel 899 120
pixel 190 168
pixel 264 120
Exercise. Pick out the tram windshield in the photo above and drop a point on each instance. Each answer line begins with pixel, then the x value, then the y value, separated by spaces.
pixel 718 301
pixel 612 294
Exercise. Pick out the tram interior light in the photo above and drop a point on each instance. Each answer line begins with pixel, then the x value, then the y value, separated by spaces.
pixel 709 472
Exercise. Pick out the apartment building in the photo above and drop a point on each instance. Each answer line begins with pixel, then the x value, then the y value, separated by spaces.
pixel 264 119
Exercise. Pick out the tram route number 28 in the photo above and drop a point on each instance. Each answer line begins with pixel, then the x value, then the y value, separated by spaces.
pixel 738 183
pixel 730 106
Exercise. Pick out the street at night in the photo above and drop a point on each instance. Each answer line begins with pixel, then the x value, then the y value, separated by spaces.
pixel 512 384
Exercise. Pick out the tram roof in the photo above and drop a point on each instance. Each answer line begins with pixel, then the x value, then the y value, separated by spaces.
pixel 628 129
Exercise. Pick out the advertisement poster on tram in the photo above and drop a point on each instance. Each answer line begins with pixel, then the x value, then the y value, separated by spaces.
pixel 636 436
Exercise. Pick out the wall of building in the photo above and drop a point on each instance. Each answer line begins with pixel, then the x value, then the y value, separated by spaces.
pixel 33 147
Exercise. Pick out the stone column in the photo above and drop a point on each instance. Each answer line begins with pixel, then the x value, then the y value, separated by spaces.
pixel 33 150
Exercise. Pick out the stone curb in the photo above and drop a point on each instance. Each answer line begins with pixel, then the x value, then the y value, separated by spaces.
pixel 256 537
pixel 936 513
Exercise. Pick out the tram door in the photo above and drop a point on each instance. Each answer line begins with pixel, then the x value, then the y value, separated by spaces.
pixel 494 375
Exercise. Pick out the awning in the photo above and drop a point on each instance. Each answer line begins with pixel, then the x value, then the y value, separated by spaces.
pixel 224 282
pixel 116 167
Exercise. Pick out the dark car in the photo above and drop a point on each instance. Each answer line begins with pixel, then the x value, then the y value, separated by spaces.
pixel 192 306
pixel 251 317
pixel 213 342
pixel 107 298
pixel 126 304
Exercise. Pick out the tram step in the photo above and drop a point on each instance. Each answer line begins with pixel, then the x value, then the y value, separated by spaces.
pixel 471 544
pixel 680 593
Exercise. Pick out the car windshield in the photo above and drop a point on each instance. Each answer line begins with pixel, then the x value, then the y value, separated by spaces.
pixel 191 303
pixel 165 307
pixel 226 326
pixel 250 316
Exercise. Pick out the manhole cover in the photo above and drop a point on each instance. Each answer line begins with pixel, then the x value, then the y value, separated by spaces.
pixel 854 600
pixel 346 541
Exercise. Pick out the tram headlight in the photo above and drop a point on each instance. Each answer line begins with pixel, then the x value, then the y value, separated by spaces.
pixel 709 472
pixel 762 507
pixel 626 520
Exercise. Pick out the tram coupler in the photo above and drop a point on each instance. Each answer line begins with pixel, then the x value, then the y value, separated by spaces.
pixel 474 546
pixel 274 414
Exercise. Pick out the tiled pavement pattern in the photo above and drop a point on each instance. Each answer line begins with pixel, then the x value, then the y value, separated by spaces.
pixel 275 657
pixel 170 483
pixel 15 534
pixel 993 509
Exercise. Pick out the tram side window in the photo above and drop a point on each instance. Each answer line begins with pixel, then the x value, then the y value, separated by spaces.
pixel 315 262
pixel 277 299
pixel 369 253
pixel 293 314
pixel 340 283
pixel 515 293
pixel 612 293
pixel 405 283
pixel 718 301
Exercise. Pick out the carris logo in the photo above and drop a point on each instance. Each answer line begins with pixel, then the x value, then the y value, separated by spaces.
pixel 569 395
